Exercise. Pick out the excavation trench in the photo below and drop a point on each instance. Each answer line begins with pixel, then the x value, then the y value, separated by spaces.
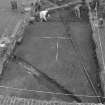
pixel 60 48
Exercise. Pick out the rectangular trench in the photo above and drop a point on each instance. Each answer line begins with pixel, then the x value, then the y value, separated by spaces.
pixel 60 48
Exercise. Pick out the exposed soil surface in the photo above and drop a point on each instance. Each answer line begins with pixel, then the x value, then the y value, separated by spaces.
pixel 61 48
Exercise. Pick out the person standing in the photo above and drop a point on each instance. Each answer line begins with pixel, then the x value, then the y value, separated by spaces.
pixel 93 4
pixel 43 15
pixel 37 6
pixel 13 4
pixel 77 10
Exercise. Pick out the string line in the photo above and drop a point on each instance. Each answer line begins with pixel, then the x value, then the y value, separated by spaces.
pixel 53 93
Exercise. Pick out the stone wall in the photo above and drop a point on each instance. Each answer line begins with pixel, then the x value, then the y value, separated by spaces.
pixel 96 38
pixel 7 100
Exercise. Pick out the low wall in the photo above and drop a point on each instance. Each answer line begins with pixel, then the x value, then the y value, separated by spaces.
pixel 96 38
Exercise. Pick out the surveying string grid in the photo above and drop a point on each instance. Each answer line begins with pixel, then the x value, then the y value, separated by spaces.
pixel 53 93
